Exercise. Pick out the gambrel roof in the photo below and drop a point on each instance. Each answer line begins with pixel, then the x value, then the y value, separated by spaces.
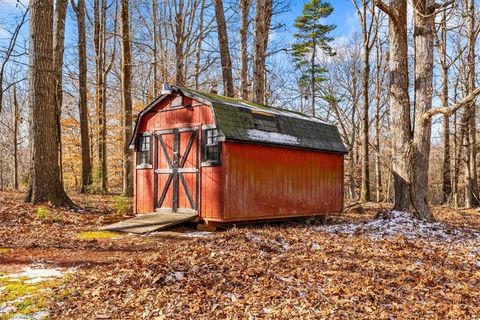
pixel 241 120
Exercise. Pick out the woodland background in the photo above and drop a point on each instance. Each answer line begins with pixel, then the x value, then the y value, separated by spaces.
pixel 239 48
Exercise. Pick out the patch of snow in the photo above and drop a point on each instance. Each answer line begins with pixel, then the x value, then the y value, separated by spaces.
pixel 273 137
pixel 315 246
pixel 174 277
pixel 7 308
pixel 196 234
pixel 34 316
pixel 36 275
pixel 391 224
pixel 253 237
pixel 231 296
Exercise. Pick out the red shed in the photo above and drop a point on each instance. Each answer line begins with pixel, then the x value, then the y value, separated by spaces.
pixel 230 160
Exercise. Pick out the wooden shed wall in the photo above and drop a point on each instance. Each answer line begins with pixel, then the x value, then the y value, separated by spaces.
pixel 160 118
pixel 264 182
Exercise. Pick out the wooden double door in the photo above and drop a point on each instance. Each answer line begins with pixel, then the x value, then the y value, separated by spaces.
pixel 176 167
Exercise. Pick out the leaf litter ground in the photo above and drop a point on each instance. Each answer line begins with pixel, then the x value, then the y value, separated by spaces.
pixel 352 266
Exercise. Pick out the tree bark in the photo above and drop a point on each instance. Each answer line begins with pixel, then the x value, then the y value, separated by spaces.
pixel 378 92
pixel 399 102
pixel 365 181
pixel 16 120
pixel 58 50
pixel 263 18
pixel 368 30
pixel 179 44
pixel 424 34
pixel 225 58
pixel 245 9
pixel 471 184
pixel 126 78
pixel 99 12
pixel 83 107
pixel 154 48
pixel 446 171
pixel 44 184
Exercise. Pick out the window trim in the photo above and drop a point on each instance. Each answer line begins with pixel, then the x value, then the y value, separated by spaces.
pixel 205 145
pixel 148 165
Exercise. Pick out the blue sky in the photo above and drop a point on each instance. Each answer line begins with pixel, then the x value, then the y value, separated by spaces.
pixel 343 15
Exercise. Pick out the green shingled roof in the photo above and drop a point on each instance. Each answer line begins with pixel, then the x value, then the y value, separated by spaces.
pixel 247 121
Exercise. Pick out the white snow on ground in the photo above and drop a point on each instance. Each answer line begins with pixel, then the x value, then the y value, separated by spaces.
pixel 173 276
pixel 196 234
pixel 273 137
pixel 36 274
pixel 30 275
pixel 279 244
pixel 391 224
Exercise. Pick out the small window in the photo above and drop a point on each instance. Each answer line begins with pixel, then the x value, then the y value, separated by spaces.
pixel 144 153
pixel 211 147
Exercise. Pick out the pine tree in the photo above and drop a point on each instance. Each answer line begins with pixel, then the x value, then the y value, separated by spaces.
pixel 312 38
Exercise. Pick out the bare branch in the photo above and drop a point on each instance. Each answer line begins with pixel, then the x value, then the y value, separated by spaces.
pixel 385 8
pixel 452 108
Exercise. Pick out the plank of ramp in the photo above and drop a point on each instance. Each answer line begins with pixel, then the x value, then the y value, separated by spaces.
pixel 150 222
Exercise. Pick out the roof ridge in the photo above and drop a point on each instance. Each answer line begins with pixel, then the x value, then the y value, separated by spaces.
pixel 245 103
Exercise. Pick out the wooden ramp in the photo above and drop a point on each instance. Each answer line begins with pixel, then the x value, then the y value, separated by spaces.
pixel 150 222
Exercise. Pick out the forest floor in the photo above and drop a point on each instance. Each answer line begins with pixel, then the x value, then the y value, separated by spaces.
pixel 53 263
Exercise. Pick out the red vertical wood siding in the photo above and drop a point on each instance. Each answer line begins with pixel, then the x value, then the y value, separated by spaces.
pixel 254 182
pixel 211 186
pixel 161 117
pixel 263 182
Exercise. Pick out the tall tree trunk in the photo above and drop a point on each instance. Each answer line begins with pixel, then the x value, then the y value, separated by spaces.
pixel 16 120
pixel 424 34
pixel 154 48
pixel 351 151
pixel 313 76
pixel 367 43
pixel 399 101
pixel 179 44
pixel 126 78
pixel 471 184
pixel 99 12
pixel 82 105
pixel 58 50
pixel 245 9
pixel 263 18
pixel 365 181
pixel 225 57
pixel 198 45
pixel 44 184
pixel 378 95
pixel 446 175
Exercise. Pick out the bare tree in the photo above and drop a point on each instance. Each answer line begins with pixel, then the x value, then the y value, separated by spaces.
pixel 367 16
pixel 79 9
pixel 399 100
pixel 7 54
pixel 15 140
pixel 126 79
pixel 44 184
pixel 58 51
pixel 424 24
pixel 471 183
pixel 225 57
pixel 245 9
pixel 263 18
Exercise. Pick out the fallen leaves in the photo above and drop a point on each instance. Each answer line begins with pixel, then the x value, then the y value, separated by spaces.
pixel 281 271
